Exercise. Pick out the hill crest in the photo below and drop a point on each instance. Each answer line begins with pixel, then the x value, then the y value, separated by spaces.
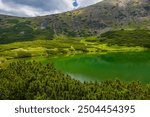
pixel 93 20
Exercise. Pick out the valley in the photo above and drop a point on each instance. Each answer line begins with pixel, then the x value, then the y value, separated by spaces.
pixel 98 52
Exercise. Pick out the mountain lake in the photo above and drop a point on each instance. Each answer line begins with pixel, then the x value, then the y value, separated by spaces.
pixel 126 66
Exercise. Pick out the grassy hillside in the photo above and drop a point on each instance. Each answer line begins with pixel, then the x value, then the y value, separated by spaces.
pixel 20 30
pixel 63 45
pixel 127 38
pixel 92 20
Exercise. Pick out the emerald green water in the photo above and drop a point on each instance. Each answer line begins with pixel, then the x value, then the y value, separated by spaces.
pixel 125 66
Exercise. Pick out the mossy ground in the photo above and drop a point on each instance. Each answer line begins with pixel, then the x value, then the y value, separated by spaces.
pixel 122 40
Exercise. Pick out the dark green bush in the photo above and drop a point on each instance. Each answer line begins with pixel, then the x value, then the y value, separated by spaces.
pixel 23 54
pixel 32 80
pixel 127 38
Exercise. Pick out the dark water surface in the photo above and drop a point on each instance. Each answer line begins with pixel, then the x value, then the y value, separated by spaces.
pixel 125 66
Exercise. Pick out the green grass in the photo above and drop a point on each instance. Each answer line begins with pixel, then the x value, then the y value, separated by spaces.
pixel 122 40
pixel 20 31
pixel 41 47
pixel 126 38
pixel 59 46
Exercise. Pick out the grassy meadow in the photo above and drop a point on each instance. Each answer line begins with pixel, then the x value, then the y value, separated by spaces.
pixel 122 40
pixel 34 80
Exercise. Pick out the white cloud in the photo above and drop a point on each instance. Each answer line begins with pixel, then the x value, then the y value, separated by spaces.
pixel 22 10
pixel 49 7
pixel 82 3
pixel 88 2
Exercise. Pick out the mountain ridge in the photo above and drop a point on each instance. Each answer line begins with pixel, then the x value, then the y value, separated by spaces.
pixel 93 20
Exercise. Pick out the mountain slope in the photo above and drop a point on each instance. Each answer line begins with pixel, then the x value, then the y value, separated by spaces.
pixel 92 20
pixel 101 16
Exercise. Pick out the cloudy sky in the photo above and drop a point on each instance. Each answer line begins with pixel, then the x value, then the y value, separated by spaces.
pixel 31 8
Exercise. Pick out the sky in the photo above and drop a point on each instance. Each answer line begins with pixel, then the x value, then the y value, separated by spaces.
pixel 32 8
